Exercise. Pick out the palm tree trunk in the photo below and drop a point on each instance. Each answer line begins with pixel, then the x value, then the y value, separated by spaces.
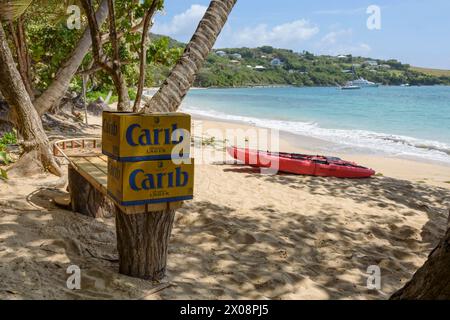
pixel 175 88
pixel 55 92
pixel 29 124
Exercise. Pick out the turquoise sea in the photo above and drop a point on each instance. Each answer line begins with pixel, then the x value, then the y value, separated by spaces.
pixel 399 121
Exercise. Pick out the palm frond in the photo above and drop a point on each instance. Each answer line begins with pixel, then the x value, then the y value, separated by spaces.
pixel 12 9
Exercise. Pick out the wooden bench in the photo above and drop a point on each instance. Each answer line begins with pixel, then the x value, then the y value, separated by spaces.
pixel 142 231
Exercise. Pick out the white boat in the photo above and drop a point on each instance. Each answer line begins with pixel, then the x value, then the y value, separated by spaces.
pixel 363 83
pixel 349 87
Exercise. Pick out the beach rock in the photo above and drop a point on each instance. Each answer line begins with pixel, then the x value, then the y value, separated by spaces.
pixel 97 107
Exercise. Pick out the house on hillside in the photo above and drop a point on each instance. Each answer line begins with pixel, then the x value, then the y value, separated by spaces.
pixel 236 56
pixel 341 56
pixel 276 62
pixel 221 53
pixel 371 63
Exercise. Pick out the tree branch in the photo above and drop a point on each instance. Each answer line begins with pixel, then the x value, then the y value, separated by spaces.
pixel 143 53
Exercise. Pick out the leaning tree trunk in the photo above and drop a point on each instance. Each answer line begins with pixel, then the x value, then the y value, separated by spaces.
pixel 432 281
pixel 22 54
pixel 36 144
pixel 143 239
pixel 180 80
pixel 52 96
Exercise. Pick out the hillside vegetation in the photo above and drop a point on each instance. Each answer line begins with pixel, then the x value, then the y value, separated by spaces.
pixel 432 72
pixel 256 67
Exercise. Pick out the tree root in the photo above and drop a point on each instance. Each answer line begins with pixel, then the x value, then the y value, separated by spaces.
pixel 36 160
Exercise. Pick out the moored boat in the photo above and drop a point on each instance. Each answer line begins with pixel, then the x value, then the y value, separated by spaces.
pixel 363 83
pixel 350 87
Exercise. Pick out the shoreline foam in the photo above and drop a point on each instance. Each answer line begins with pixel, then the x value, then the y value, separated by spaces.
pixel 347 141
pixel 428 172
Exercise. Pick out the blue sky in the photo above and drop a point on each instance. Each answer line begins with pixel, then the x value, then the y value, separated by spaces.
pixel 412 31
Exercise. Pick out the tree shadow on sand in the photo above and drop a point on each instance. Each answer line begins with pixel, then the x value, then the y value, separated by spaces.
pixel 378 192
pixel 39 241
pixel 219 252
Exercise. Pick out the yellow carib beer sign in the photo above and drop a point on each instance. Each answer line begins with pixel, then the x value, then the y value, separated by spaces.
pixel 131 137
pixel 150 182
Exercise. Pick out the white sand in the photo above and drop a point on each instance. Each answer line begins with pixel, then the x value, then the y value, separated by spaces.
pixel 245 236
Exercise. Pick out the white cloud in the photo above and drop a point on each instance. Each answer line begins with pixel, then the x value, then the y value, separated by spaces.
pixel 340 42
pixel 290 34
pixel 332 37
pixel 183 25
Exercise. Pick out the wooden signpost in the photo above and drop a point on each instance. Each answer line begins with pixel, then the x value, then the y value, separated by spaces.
pixel 149 175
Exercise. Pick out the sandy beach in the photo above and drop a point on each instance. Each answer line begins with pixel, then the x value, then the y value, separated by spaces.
pixel 245 236
pixel 419 171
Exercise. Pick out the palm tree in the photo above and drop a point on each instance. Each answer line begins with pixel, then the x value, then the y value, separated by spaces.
pixel 180 80
pixel 11 10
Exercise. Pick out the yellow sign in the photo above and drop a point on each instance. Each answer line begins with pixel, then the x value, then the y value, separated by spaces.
pixel 150 182
pixel 131 137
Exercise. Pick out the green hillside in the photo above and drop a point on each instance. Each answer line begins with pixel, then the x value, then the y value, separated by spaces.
pixel 432 72
pixel 241 67
pixel 237 68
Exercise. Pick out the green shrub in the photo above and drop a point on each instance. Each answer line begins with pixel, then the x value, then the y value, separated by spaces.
pixel 132 93
pixel 5 158
pixel 7 139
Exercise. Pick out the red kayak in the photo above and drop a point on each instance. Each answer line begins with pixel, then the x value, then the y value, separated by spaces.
pixel 302 164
